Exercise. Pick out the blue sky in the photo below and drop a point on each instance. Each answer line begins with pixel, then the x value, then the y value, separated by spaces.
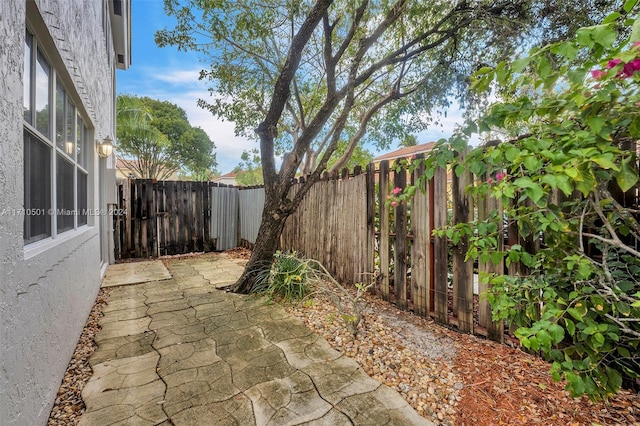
pixel 169 75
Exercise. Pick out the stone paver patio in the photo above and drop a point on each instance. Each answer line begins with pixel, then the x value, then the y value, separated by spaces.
pixel 178 351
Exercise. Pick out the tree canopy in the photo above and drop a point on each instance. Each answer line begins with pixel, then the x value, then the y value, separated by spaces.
pixel 158 137
pixel 310 77
pixel 391 75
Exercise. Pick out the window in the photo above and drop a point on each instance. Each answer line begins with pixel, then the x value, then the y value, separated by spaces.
pixel 37 198
pixel 55 154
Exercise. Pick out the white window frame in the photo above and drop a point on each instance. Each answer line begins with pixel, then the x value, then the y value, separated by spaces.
pixel 55 237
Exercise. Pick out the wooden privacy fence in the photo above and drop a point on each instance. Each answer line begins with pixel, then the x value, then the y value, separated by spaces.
pixel 346 223
pixel 332 225
pixel 166 217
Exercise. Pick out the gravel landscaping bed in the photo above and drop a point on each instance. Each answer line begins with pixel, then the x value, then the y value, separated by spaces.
pixel 69 405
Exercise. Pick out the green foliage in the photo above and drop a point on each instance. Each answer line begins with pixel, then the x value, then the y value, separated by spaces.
pixel 158 136
pixel 357 72
pixel 249 171
pixel 288 279
pixel 574 107
pixel 292 278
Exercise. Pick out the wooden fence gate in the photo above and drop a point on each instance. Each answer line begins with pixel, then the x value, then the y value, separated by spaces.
pixel 162 218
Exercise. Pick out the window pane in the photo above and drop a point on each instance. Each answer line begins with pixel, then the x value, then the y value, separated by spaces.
pixel 80 137
pixel 64 194
pixel 82 198
pixel 70 128
pixel 43 83
pixel 37 189
pixel 26 93
pixel 60 101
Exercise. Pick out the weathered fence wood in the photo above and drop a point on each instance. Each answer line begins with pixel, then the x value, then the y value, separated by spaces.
pixel 421 247
pixel 371 218
pixel 400 252
pixel 462 269
pixel 161 218
pixel 495 330
pixel 440 255
pixel 330 225
pixel 383 247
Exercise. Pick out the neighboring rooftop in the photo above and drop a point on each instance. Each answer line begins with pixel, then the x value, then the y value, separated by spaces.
pixel 407 151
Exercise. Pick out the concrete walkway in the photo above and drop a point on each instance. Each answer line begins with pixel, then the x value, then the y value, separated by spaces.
pixel 181 352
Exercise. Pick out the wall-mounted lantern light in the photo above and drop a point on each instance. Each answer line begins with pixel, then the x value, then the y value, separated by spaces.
pixel 68 147
pixel 105 147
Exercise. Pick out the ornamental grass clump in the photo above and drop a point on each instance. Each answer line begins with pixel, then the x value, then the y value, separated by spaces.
pixel 287 280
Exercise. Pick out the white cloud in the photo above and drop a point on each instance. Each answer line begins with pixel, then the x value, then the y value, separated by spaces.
pixel 182 87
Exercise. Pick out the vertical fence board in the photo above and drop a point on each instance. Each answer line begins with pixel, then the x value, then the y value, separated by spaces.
pixel 440 254
pixel 400 254
pixel 420 247
pixel 383 247
pixel 371 221
pixel 495 330
pixel 462 269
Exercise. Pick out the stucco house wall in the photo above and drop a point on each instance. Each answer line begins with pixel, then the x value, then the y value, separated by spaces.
pixel 47 288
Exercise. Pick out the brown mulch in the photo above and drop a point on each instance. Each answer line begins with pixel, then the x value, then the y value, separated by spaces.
pixel 69 405
pixel 239 253
pixel 505 386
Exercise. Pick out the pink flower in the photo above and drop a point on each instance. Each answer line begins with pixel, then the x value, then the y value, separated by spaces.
pixel 636 44
pixel 490 180
pixel 388 197
pixel 394 203
pixel 612 63
pixel 598 74
pixel 500 176
pixel 630 68
pixel 397 190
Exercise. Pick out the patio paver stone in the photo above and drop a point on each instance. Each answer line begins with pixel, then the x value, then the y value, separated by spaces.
pixel 181 352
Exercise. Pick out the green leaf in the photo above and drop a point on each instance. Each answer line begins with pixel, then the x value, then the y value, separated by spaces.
pixel 566 49
pixel 612 17
pixel 598 340
pixel 604 161
pixel 564 184
pixel 604 35
pixel 626 177
pixel 519 64
pixel 628 5
pixel 532 163
pixel 575 314
pixel 556 332
pixel 634 128
pixel 577 76
pixel 570 326
pixel 635 31
pixel 596 124
pixel 511 154
pixel 615 379
pixel 544 338
pixel 544 67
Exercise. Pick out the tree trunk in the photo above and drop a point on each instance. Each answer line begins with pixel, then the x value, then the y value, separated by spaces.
pixel 265 247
